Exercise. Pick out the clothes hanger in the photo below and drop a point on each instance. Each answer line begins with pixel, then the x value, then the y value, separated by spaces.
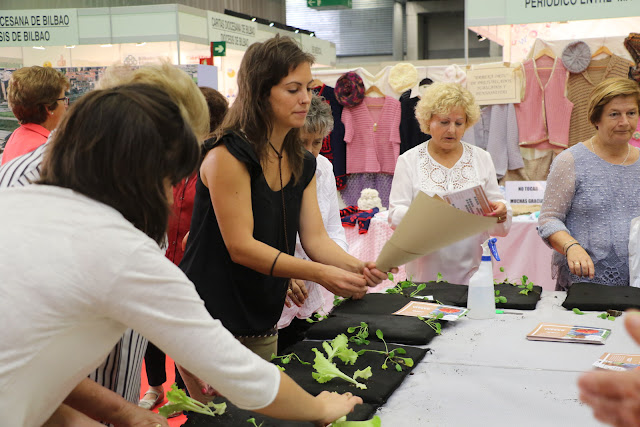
pixel 544 51
pixel 602 50
pixel 374 89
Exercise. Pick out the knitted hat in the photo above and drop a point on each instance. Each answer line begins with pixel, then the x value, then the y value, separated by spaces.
pixel 349 90
pixel 576 56
pixel 403 76
pixel 632 43
pixel 454 74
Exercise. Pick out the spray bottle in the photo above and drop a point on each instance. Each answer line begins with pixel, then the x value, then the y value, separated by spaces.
pixel 481 297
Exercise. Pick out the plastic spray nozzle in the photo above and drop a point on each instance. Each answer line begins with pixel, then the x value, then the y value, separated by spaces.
pixel 493 248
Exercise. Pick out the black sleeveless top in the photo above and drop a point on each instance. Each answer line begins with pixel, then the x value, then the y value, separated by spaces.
pixel 245 301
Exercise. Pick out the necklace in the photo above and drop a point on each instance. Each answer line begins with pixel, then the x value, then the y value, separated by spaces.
pixel 284 210
pixel 625 159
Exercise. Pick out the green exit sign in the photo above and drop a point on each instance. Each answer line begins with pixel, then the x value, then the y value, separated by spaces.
pixel 329 4
pixel 218 48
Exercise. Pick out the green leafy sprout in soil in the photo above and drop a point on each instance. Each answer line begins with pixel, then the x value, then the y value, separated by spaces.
pixel 433 322
pixel 326 371
pixel 252 421
pixel 577 311
pixel 179 401
pixel 362 333
pixel 288 358
pixel 499 298
pixel 318 318
pixel 526 286
pixel 391 356
pixel 337 300
pixel 607 316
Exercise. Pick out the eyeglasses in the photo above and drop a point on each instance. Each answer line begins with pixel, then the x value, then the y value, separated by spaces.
pixel 65 99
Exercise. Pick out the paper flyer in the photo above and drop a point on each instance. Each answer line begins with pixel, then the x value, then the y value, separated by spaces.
pixel 618 361
pixel 569 333
pixel 428 309
pixel 429 225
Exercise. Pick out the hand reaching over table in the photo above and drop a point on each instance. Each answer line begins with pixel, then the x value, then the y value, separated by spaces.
pixel 615 396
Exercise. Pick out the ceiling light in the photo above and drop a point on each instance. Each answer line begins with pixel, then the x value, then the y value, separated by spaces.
pixel 39 47
pixel 312 34
pixel 141 44
pixel 253 19
pixel 106 45
pixel 296 31
pixel 271 24
pixel 70 47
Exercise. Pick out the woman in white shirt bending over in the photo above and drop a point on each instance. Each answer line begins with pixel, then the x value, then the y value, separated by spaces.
pixel 85 264
pixel 443 165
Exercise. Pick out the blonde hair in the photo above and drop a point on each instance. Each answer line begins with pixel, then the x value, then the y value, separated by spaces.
pixel 608 89
pixel 176 83
pixel 33 89
pixel 441 98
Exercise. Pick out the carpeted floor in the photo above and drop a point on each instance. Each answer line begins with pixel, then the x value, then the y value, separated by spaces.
pixel 173 422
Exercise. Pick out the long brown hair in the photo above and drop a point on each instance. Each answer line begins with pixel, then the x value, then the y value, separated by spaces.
pixel 262 67
pixel 118 146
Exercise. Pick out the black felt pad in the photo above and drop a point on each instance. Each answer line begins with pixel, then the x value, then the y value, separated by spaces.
pixel 397 329
pixel 596 297
pixel 379 386
pixel 373 304
pixel 517 301
pixel 235 417
pixel 446 293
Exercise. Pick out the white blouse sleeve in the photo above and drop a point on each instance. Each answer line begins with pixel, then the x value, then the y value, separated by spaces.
pixel 557 196
pixel 487 173
pixel 328 201
pixel 402 188
pixel 154 297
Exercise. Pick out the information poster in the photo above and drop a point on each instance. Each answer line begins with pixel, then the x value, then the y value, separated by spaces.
pixel 499 85
pixel 525 192
pixel 39 27
pixel 238 33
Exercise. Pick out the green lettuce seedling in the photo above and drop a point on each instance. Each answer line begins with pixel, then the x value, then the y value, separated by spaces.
pixel 337 300
pixel 391 356
pixel 319 317
pixel 339 346
pixel 253 422
pixel 342 422
pixel 433 322
pixel 361 336
pixel 577 311
pixel 179 401
pixel 500 299
pixel 287 358
pixel 325 371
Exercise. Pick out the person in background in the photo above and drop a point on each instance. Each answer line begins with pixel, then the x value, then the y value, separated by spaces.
pixel 36 95
pixel 591 194
pixel 615 396
pixel 179 223
pixel 101 270
pixel 255 191
pixel 443 165
pixel 120 371
pixel 306 298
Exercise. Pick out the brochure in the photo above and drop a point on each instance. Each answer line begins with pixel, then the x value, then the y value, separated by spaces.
pixel 472 200
pixel 429 309
pixel 618 361
pixel 569 333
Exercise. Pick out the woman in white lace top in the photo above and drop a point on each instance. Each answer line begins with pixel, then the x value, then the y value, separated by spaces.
pixel 442 165
pixel 592 193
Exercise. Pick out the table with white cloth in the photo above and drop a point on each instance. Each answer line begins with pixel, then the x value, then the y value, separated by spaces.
pixel 522 251
pixel 486 373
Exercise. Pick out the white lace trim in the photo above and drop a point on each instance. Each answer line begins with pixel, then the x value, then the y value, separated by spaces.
pixel 436 178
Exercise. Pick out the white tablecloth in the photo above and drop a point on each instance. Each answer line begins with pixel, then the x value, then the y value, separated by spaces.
pixel 486 373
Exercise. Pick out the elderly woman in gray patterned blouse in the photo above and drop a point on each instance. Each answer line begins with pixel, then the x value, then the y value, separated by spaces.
pixel 591 194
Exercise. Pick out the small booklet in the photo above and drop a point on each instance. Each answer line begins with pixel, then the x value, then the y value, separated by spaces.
pixel 618 361
pixel 472 200
pixel 429 309
pixel 569 333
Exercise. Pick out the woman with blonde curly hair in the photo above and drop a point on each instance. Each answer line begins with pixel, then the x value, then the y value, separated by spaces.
pixel 443 165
